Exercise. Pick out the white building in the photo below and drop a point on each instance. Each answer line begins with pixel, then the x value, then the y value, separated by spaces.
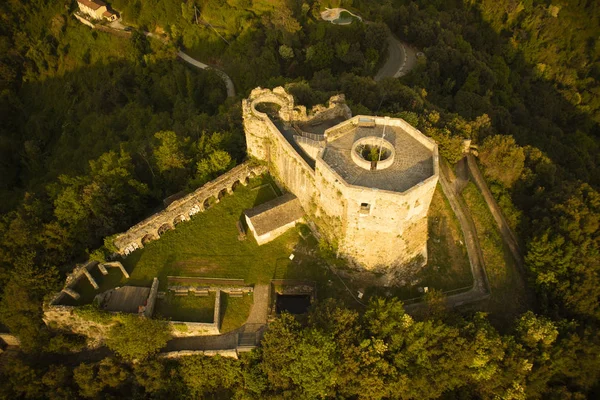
pixel 96 9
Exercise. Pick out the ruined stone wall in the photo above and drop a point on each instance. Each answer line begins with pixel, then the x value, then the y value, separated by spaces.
pixel 151 302
pixel 181 210
pixel 64 318
pixel 231 353
pixel 266 142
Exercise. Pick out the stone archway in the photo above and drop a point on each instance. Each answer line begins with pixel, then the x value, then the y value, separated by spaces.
pixel 148 238
pixel 235 185
pixel 207 203
pixel 179 219
pixel 222 193
pixel 164 228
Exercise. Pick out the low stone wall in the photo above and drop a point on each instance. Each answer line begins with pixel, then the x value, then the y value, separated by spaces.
pixel 231 353
pixel 84 21
pixel 181 210
pixel 187 329
pixel 151 302
pixel 10 340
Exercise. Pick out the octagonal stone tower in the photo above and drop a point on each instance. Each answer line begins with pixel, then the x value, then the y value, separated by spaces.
pixel 367 182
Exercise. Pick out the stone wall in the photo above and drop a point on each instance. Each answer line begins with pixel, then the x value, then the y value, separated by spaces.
pixel 181 210
pixel 266 142
pixel 151 302
pixel 393 233
pixel 231 353
pixel 64 318
pixel 10 340
pixel 187 329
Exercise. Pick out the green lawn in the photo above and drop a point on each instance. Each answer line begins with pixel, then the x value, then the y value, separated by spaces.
pixel 508 297
pixel 188 308
pixel 208 246
pixel 234 311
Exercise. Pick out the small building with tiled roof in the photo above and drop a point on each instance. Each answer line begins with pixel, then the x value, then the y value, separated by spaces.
pixel 273 218
pixel 96 9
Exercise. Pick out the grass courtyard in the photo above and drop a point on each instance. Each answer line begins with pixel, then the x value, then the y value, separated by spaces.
pixel 208 246
pixel 186 308
pixel 234 311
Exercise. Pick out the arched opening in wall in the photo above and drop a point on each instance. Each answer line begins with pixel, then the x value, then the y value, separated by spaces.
pixel 271 109
pixel 247 180
pixel 208 202
pixel 148 238
pixel 222 194
pixel 163 228
pixel 178 219
pixel 235 185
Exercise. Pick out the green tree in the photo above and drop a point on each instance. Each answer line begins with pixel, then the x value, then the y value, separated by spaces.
pixel 136 338
pixel 502 158
pixel 169 154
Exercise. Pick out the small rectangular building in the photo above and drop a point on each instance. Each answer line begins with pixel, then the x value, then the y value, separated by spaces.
pixel 96 9
pixel 271 219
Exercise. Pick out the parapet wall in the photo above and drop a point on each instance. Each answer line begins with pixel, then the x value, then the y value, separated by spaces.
pixel 181 210
pixel 266 142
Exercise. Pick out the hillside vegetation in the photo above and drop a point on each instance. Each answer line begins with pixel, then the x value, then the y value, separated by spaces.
pixel 96 130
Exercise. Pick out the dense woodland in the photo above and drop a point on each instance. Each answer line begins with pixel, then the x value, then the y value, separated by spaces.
pixel 97 130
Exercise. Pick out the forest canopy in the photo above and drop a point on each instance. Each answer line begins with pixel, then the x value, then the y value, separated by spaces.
pixel 97 130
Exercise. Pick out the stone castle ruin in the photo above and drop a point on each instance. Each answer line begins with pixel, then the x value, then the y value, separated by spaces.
pixel 365 181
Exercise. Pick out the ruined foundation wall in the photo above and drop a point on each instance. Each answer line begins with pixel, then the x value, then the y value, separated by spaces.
pixel 64 318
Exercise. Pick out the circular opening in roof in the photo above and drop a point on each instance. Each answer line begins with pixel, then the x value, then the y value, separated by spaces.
pixel 373 153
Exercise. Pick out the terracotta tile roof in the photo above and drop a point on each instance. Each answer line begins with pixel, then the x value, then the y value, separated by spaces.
pixel 275 213
pixel 108 14
pixel 94 5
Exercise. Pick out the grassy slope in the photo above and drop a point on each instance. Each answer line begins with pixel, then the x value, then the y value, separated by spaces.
pixel 207 246
pixel 508 294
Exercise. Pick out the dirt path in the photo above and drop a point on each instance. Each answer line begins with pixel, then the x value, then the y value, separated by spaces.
pixel 260 307
pixel 481 287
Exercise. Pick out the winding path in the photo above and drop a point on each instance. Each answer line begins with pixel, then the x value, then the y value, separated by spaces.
pixel 201 65
pixel 401 59
pixel 481 288
pixel 198 64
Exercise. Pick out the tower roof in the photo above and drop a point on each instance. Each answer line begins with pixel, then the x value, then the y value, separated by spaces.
pixel 408 156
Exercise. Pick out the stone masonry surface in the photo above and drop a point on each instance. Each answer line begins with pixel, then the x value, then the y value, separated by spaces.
pixel 378 218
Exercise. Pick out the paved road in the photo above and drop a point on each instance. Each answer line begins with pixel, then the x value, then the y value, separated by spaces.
pixel 401 59
pixel 201 65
